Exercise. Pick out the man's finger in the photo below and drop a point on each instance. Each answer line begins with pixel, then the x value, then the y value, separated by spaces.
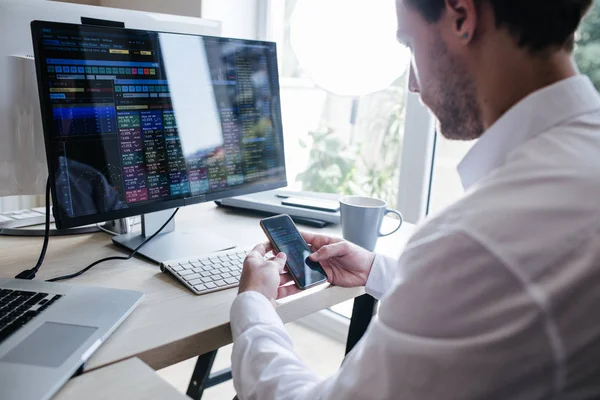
pixel 308 237
pixel 317 241
pixel 261 249
pixel 280 260
pixel 285 291
pixel 281 267
pixel 329 251
pixel 284 279
pixel 268 246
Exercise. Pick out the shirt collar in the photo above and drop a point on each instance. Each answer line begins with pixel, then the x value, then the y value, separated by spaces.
pixel 533 115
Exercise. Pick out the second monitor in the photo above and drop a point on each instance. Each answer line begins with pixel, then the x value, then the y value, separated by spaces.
pixel 140 121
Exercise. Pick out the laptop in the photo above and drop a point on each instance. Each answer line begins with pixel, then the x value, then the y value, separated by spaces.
pixel 49 330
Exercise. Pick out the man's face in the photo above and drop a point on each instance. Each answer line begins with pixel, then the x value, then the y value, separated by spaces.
pixel 439 76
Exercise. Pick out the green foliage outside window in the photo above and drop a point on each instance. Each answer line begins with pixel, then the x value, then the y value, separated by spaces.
pixel 367 165
pixel 587 50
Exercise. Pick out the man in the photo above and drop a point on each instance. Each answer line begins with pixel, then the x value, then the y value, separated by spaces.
pixel 497 297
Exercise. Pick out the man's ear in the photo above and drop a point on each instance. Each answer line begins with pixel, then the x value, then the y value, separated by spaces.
pixel 461 16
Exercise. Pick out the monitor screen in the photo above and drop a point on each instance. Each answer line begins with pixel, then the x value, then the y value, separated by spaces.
pixel 140 121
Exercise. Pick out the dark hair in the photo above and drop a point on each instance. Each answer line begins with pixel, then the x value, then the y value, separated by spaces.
pixel 536 24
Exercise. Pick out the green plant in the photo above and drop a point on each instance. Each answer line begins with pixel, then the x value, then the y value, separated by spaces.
pixel 380 174
pixel 332 164
pixel 367 167
pixel 587 50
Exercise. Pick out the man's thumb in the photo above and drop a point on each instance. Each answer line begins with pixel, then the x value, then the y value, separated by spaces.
pixel 327 252
pixel 281 258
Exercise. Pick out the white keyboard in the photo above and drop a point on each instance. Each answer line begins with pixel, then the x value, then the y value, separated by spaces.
pixel 209 273
pixel 21 218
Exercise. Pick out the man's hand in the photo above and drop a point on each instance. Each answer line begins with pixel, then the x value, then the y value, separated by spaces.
pixel 263 276
pixel 346 264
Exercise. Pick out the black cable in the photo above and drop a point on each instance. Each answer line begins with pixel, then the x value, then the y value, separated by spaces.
pixel 133 253
pixel 30 273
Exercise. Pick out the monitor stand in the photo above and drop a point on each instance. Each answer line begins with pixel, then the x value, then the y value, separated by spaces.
pixel 171 244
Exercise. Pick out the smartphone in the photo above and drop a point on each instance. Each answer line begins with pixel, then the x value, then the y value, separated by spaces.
pixel 285 238
pixel 312 204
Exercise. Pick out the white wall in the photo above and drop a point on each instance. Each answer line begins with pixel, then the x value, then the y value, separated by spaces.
pixel 189 8
pixel 239 17
pixel 86 2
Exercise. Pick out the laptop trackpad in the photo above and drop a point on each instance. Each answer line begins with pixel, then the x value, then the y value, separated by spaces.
pixel 49 345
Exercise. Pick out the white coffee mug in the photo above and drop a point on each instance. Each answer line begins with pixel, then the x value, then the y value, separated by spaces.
pixel 362 218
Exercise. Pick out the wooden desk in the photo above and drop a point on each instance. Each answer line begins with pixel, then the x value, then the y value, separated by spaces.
pixel 130 379
pixel 171 324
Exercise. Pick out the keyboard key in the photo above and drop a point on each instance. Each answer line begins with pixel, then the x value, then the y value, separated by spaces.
pixel 231 281
pixel 4 293
pixel 206 274
pixel 195 282
pixel 220 283
pixel 9 330
pixel 17 302
pixel 185 272
pixel 206 280
pixel 216 277
pixel 200 287
pixel 25 318
pixel 21 309
pixel 192 277
pixel 177 268
pixel 210 285
pixel 226 275
pixel 25 294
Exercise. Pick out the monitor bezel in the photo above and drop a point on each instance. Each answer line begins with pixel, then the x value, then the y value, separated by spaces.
pixel 64 221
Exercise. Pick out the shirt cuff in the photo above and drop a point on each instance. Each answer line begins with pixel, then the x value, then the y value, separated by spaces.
pixel 250 309
pixel 380 277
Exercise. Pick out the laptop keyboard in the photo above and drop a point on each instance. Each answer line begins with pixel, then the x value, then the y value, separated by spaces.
pixel 18 307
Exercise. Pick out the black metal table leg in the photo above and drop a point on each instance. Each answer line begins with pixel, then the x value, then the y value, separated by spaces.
pixel 362 313
pixel 201 375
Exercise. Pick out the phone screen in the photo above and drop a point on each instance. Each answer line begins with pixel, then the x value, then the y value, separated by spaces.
pixel 285 237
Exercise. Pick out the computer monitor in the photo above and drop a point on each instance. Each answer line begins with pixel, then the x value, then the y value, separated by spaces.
pixel 141 121
pixel 23 169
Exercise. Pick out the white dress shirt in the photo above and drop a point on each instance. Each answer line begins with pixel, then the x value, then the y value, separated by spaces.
pixel 497 297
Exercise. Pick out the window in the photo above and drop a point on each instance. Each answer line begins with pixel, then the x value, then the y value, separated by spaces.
pixel 337 144
pixel 587 50
pixel 446 186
